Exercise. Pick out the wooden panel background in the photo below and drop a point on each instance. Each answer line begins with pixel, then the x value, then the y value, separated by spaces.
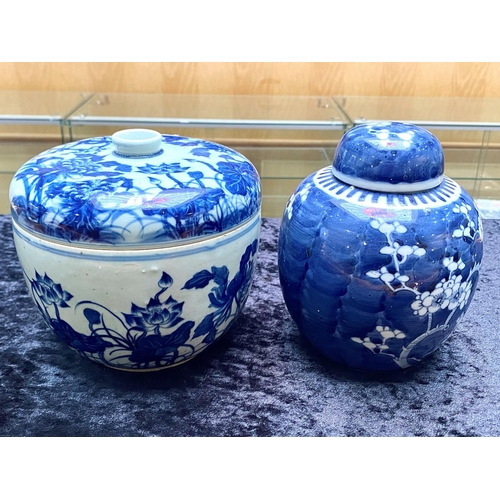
pixel 464 79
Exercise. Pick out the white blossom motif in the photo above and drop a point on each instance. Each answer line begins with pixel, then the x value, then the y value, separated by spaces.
pixel 387 333
pixel 302 194
pixel 464 293
pixel 379 345
pixel 431 302
pixel 402 251
pixel 466 230
pixel 399 253
pixel 367 342
pixel 388 227
pixel 453 265
pixel 464 208
pixel 450 294
pixel 468 227
pixel 386 276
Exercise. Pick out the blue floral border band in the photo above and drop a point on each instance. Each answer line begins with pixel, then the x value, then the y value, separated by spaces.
pixel 134 255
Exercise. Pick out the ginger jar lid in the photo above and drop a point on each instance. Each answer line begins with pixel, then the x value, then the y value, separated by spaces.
pixel 137 187
pixel 393 157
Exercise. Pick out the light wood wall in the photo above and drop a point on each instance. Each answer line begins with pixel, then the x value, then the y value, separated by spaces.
pixel 467 79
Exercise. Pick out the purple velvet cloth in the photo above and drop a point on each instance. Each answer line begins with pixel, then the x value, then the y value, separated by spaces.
pixel 261 379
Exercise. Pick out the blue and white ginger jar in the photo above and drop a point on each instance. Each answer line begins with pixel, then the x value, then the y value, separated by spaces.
pixel 379 254
pixel 138 249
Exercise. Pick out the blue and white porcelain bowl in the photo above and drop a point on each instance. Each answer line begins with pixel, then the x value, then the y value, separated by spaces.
pixel 138 249
pixel 379 254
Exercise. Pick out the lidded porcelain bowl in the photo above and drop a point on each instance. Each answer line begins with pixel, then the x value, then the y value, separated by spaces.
pixel 138 249
pixel 379 253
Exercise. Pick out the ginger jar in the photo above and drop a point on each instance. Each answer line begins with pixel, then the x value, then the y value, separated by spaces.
pixel 379 254
pixel 137 249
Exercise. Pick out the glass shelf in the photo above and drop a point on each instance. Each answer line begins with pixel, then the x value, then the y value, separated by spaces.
pixel 31 122
pixel 229 119
pixel 286 137
pixel 37 114
pixel 282 169
pixel 464 114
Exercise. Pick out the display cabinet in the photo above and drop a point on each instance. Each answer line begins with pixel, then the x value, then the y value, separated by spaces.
pixel 233 120
pixel 31 122
pixel 282 169
pixel 286 137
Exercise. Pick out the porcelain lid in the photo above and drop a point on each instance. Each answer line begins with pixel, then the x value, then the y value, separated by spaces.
pixel 137 187
pixel 389 156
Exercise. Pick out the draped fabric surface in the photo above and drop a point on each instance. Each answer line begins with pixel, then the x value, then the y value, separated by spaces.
pixel 261 379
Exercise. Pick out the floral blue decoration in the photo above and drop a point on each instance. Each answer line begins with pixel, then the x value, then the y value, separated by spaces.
pixel 378 281
pixel 151 337
pixel 85 192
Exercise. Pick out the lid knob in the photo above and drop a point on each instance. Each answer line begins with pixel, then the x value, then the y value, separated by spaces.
pixel 389 156
pixel 137 142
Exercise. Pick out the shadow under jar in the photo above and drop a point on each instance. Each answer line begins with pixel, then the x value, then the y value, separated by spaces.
pixel 138 249
pixel 379 254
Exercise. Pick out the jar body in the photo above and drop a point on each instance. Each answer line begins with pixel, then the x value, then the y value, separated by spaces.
pixel 140 309
pixel 378 281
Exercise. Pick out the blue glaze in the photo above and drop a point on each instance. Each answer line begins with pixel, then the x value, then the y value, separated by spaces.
pixel 153 333
pixel 389 152
pixel 378 280
pixel 85 192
